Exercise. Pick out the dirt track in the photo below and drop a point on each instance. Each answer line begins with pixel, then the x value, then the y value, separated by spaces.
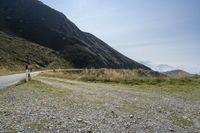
pixel 73 106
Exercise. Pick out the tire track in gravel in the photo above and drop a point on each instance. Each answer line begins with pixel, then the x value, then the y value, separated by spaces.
pixel 141 110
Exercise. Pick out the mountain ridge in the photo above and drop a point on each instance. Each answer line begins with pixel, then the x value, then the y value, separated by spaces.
pixel 41 24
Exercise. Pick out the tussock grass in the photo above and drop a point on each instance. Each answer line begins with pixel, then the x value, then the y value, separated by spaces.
pixel 139 78
pixel 104 74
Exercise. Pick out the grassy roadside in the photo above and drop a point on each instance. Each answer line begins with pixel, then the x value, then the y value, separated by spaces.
pixel 131 78
pixel 182 88
pixel 6 72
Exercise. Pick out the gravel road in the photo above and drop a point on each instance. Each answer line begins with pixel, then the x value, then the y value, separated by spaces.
pixel 60 105
pixel 115 108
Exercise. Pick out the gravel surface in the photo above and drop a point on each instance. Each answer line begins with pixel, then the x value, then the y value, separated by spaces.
pixel 59 105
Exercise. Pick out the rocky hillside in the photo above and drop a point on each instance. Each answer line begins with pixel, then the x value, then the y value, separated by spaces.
pixel 16 52
pixel 38 23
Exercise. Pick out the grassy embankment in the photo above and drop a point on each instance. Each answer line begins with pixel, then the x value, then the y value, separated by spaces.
pixel 16 53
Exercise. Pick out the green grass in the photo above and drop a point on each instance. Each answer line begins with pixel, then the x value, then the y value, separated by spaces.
pixel 179 120
pixel 130 107
pixel 34 126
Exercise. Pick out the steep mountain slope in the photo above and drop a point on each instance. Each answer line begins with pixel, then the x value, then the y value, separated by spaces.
pixel 178 73
pixel 36 22
pixel 15 53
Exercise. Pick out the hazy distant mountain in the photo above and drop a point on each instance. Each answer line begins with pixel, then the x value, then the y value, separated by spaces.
pixel 178 73
pixel 159 67
pixel 38 23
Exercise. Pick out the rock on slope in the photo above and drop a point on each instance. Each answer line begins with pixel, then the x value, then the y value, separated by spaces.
pixel 38 23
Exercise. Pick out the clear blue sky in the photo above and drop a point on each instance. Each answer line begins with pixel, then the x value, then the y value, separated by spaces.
pixel 159 31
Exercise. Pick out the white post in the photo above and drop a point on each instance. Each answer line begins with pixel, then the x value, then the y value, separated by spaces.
pixel 27 75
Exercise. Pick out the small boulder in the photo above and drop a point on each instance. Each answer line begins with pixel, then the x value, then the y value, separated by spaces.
pixel 89 131
pixel 79 120
pixel 171 129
